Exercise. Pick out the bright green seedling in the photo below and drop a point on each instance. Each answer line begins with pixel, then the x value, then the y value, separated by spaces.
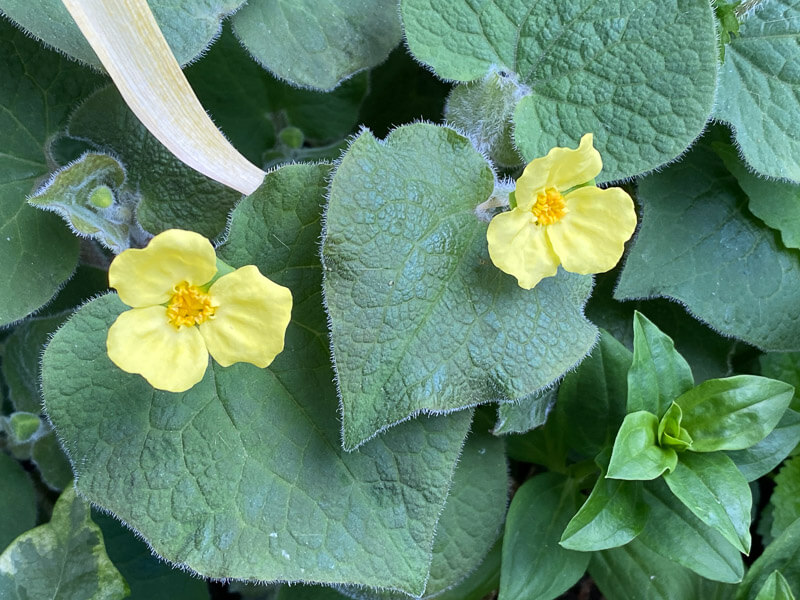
pixel 684 443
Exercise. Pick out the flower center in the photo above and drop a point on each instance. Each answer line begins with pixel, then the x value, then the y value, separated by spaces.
pixel 550 207
pixel 189 306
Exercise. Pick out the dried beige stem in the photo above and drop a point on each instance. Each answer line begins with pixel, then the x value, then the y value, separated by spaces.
pixel 127 40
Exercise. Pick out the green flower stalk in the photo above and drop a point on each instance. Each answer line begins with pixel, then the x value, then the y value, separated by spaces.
pixel 129 43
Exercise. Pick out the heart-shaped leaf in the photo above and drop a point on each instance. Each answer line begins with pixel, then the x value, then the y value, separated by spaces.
pixel 421 321
pixel 243 476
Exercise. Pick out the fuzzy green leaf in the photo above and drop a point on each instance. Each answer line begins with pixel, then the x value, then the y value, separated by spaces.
pixel 421 320
pixel 318 43
pixel 675 533
pixel 17 500
pixel 733 413
pixel 87 195
pixel 636 454
pixel 639 74
pixel 188 25
pixel 243 476
pixel 62 560
pixel 759 89
pixel 37 251
pixel 170 193
pixel 658 374
pixel 148 577
pixel 698 244
pixel 22 427
pixel 484 109
pixel 472 517
pixel 712 487
pixel 777 203
pixel 534 565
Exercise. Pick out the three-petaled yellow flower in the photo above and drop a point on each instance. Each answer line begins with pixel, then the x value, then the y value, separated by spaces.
pixel 186 305
pixel 561 220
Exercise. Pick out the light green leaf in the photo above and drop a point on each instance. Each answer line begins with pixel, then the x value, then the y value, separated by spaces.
pixel 673 532
pixel 591 399
pixel 786 496
pixel 525 414
pixel 612 516
pixel 62 560
pixel 658 374
pixel 777 203
pixel 699 245
pixel 318 43
pixel 252 107
pixel 188 25
pixel 639 74
pixel 147 577
pixel 783 555
pixel 759 90
pixel 716 492
pixel 21 357
pixel 87 194
pixel 775 588
pixel 636 454
pixel 243 476
pixel 533 564
pixel 759 459
pixel 421 321
pixel 733 413
pixel 37 251
pixel 17 500
pixel 670 433
pixel 170 193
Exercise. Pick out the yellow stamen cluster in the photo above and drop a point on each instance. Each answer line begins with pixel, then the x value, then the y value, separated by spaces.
pixel 550 207
pixel 189 306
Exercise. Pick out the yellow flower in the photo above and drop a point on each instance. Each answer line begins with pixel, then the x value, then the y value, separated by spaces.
pixel 183 310
pixel 560 220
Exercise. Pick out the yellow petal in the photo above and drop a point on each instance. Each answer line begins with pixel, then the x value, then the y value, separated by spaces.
pixel 562 168
pixel 520 248
pixel 591 237
pixel 251 318
pixel 142 341
pixel 146 277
